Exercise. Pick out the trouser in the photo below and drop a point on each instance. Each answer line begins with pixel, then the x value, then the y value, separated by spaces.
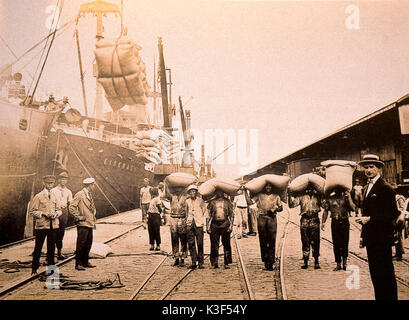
pixel 220 230
pixel 340 238
pixel 154 222
pixel 241 220
pixel 40 235
pixel 145 208
pixel 178 234
pixel 267 231
pixel 195 238
pixel 382 271
pixel 61 230
pixel 84 244
pixel 398 237
pixel 310 236
pixel 252 220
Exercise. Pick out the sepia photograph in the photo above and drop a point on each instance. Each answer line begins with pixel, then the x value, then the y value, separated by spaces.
pixel 204 157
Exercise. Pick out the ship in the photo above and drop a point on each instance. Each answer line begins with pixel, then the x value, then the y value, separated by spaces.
pixel 118 148
pixel 23 128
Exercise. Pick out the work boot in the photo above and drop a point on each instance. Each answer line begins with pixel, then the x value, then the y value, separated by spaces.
pixel 305 265
pixel 344 264
pixel 89 265
pixel 226 266
pixel 317 264
pixel 182 262
pixel 338 267
pixel 176 263
pixel 157 248
pixel 270 266
pixel 79 268
pixel 193 266
pixel 60 256
pixel 201 266
pixel 151 248
pixel 216 265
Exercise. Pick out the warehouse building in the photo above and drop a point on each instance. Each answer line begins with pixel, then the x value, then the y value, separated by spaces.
pixel 384 132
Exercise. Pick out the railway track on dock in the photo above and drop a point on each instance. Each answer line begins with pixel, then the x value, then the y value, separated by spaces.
pixel 360 258
pixel 145 275
pixel 27 280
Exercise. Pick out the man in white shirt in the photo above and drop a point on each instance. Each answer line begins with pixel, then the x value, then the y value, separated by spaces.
pixel 196 214
pixel 241 214
pixel 63 196
pixel 145 199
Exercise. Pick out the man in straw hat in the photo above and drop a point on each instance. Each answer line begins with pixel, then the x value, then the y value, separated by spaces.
pixel 378 213
pixel 83 209
pixel 45 210
pixel 196 213
pixel 63 196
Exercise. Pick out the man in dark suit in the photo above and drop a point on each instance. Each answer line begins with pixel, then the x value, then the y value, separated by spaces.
pixel 378 213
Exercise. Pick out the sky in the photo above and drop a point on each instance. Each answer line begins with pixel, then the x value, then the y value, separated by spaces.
pixel 274 75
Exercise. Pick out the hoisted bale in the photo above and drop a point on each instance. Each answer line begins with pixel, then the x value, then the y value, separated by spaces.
pixel 278 182
pixel 302 182
pixel 130 85
pixel 120 60
pixel 338 174
pixel 208 188
pixel 180 179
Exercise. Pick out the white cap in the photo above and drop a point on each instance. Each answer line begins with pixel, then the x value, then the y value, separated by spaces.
pixel 192 187
pixel 88 181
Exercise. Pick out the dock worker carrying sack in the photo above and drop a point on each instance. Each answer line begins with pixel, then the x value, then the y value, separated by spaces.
pixel 179 179
pixel 305 181
pixel 338 174
pixel 208 189
pixel 279 184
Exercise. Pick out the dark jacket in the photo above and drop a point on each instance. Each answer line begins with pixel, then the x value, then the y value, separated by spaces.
pixel 380 205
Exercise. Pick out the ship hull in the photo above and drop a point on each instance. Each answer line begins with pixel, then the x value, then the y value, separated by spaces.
pixel 21 133
pixel 119 174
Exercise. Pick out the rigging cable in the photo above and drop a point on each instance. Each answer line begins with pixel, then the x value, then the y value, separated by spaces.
pixel 42 55
pixel 49 47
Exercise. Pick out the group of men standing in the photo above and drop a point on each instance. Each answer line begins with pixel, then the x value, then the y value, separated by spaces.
pixel 378 220
pixel 50 209
pixel 190 217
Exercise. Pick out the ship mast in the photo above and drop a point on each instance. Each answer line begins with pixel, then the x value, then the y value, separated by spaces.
pixel 100 8
pixel 167 120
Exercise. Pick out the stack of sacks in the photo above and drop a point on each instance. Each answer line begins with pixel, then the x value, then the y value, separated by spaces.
pixel 338 174
pixel 121 72
pixel 179 179
pixel 279 184
pixel 208 188
pixel 304 181
pixel 154 145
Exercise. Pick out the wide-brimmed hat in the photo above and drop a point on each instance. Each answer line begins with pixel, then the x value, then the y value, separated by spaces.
pixel 49 178
pixel 371 158
pixel 63 174
pixel 192 187
pixel 88 181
